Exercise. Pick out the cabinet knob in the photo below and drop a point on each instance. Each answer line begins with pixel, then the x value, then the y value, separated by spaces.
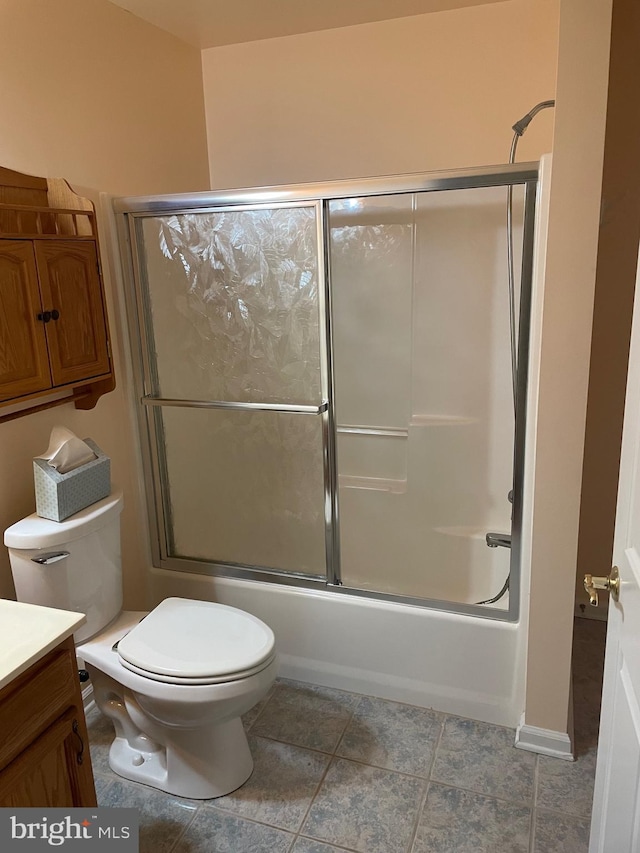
pixel 55 314
pixel 44 316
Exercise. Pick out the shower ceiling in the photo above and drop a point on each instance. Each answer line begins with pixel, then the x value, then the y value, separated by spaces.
pixel 210 23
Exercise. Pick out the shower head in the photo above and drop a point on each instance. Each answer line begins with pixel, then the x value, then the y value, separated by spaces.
pixel 521 125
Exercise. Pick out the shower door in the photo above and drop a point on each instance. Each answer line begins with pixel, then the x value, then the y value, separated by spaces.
pixel 424 404
pixel 324 379
pixel 231 314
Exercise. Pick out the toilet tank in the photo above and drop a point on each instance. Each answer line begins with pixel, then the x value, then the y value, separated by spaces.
pixel 73 564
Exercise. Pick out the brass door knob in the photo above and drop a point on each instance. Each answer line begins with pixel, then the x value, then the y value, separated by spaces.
pixel 610 583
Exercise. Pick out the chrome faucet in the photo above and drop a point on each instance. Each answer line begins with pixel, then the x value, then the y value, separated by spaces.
pixel 498 540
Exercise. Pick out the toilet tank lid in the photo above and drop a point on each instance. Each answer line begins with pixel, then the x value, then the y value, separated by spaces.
pixel 36 532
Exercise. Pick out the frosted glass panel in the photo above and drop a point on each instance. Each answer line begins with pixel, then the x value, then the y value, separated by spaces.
pixel 371 265
pixel 245 487
pixel 421 342
pixel 233 298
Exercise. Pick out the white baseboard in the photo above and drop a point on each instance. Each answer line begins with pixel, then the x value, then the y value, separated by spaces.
pixel 544 742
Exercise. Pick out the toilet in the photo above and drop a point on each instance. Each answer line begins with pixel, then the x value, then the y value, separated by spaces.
pixel 174 681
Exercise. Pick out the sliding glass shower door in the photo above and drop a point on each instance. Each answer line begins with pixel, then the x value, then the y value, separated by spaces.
pixel 325 383
pixel 233 316
pixel 423 392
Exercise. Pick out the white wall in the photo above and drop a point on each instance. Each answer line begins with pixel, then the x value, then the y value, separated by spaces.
pixel 413 94
pixel 92 94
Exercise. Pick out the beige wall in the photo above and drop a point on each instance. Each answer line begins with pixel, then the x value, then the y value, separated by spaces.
pixel 413 94
pixel 566 339
pixel 92 94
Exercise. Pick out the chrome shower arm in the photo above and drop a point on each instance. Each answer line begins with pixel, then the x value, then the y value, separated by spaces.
pixel 522 124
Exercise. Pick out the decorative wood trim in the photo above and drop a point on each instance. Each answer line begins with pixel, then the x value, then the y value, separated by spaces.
pixel 37 222
pixel 9 178
pixel 61 195
pixel 86 396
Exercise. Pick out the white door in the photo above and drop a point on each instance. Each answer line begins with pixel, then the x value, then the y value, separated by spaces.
pixel 615 826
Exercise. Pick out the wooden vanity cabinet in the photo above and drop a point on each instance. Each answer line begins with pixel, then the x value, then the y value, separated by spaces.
pixel 44 750
pixel 53 325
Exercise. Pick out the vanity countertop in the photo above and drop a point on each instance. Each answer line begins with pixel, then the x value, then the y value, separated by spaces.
pixel 28 632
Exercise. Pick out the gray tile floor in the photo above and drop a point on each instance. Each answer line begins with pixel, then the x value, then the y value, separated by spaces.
pixel 336 771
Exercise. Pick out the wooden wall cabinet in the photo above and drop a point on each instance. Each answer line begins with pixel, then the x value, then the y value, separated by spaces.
pixel 54 332
pixel 44 752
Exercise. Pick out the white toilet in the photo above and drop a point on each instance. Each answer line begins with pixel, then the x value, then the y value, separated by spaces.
pixel 175 681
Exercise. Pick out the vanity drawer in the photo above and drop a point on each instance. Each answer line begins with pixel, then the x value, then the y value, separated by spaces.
pixel 34 700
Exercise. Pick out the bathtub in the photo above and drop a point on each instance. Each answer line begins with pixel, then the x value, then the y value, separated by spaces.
pixel 454 663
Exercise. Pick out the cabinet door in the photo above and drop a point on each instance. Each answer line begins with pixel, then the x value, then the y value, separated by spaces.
pixel 52 771
pixel 24 364
pixel 70 286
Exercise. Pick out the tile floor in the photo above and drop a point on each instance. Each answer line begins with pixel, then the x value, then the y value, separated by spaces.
pixel 336 771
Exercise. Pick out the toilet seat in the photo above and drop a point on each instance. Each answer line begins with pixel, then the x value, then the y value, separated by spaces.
pixel 169 679
pixel 184 641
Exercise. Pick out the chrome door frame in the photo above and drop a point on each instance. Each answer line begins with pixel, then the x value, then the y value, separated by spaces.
pixel 129 211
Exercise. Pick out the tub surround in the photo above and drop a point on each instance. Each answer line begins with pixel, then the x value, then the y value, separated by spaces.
pixel 28 632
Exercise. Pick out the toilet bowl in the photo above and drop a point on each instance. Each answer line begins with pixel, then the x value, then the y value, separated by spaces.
pixel 179 728
pixel 174 681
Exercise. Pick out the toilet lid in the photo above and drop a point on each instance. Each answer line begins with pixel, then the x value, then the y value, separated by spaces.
pixel 185 639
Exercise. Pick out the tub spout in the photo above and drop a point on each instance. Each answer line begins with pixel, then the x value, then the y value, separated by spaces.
pixel 499 540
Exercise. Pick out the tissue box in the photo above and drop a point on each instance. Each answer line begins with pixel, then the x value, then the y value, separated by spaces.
pixel 60 495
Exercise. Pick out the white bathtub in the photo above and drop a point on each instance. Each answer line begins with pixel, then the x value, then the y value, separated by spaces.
pixel 459 664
